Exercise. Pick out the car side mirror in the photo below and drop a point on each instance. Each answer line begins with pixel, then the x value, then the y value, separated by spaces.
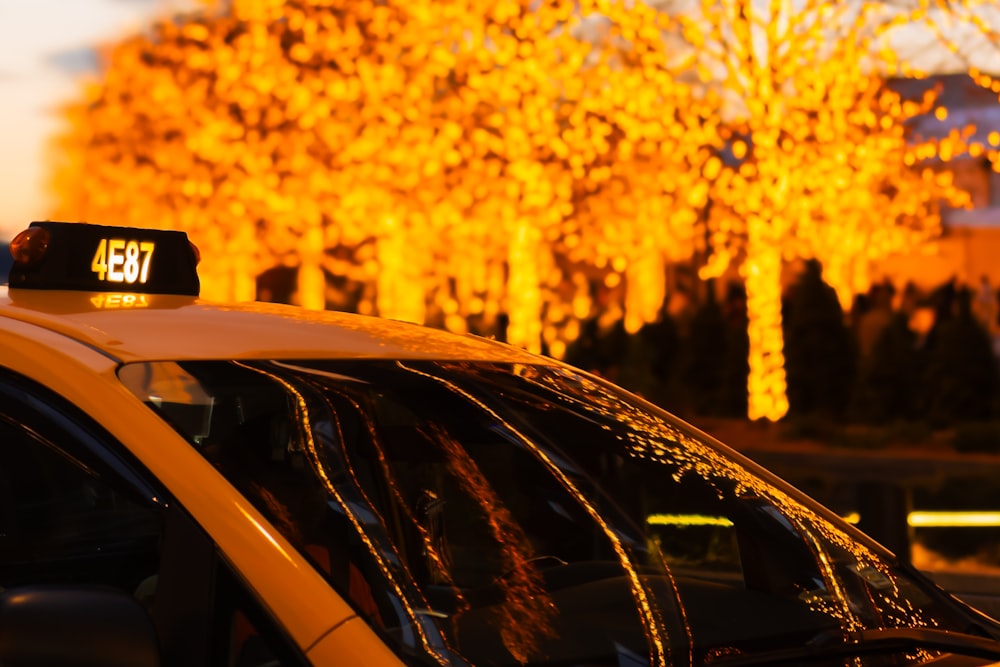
pixel 75 626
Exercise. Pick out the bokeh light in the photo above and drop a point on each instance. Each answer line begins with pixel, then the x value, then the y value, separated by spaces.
pixel 471 160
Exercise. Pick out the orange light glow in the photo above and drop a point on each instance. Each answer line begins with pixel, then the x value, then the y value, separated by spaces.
pixel 478 159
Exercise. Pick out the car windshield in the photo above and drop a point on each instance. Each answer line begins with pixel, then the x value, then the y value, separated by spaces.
pixel 508 514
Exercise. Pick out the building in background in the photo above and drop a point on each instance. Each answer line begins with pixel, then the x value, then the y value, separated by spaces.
pixel 970 243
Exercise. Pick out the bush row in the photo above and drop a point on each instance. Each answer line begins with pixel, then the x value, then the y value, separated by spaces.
pixel 906 383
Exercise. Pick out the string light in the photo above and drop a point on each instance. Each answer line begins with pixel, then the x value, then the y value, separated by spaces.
pixel 544 161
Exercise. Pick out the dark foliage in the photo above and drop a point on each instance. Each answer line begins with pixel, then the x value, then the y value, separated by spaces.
pixel 977 437
pixel 702 368
pixel 736 359
pixel 601 351
pixel 655 350
pixel 960 376
pixel 819 349
pixel 948 380
pixel 887 379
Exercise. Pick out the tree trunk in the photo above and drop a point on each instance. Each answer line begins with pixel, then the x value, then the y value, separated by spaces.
pixel 400 277
pixel 311 279
pixel 767 398
pixel 524 297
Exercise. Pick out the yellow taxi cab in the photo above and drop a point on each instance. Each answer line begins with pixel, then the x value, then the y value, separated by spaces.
pixel 191 483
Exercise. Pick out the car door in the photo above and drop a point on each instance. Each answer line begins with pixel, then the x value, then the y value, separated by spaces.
pixel 77 510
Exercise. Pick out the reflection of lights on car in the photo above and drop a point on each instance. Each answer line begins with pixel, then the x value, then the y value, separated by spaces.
pixel 687 520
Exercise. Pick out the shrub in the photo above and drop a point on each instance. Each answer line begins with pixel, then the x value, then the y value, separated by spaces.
pixel 885 388
pixel 702 367
pixel 960 378
pixel 819 350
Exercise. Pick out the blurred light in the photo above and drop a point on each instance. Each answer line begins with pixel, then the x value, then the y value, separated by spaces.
pixel 929 519
pixel 943 519
pixel 687 520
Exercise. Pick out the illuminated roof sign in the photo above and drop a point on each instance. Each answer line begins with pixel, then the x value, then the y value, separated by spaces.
pixel 97 258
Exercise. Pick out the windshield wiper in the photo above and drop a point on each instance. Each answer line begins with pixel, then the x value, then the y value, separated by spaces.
pixel 872 641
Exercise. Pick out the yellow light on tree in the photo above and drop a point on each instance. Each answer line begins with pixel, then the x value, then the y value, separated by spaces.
pixel 819 154
pixel 473 158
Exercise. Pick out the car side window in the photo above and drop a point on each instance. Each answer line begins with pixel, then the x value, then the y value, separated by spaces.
pixel 75 509
pixel 244 635
pixel 64 520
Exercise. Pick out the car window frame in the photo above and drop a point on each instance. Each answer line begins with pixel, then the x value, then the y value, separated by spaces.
pixel 192 568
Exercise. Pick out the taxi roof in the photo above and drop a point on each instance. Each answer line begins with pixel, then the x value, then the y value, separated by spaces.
pixel 148 327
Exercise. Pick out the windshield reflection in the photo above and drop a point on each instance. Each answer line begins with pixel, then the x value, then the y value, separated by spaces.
pixel 510 514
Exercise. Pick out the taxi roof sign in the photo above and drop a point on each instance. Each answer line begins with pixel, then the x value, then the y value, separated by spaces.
pixel 98 258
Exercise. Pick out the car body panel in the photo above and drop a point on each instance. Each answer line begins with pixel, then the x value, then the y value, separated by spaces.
pixel 353 642
pixel 74 342
pixel 177 327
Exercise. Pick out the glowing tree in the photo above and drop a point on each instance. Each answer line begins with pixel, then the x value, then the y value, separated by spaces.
pixel 162 141
pixel 821 165
pixel 473 157
pixel 477 157
pixel 582 151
